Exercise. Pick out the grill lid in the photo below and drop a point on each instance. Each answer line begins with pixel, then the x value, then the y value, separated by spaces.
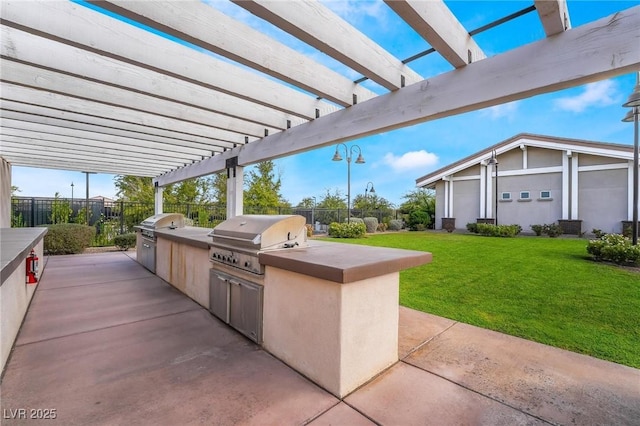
pixel 164 220
pixel 260 232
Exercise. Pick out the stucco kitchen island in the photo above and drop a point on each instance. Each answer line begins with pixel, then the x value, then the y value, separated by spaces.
pixel 329 310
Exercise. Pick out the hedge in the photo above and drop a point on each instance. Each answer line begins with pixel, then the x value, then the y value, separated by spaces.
pixel 490 230
pixel 68 238
pixel 614 248
pixel 347 230
pixel 125 241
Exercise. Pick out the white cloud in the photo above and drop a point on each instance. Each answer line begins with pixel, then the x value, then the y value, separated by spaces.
pixel 507 111
pixel 598 94
pixel 353 10
pixel 411 160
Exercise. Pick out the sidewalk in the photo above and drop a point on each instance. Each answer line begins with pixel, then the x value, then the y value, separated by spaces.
pixel 107 342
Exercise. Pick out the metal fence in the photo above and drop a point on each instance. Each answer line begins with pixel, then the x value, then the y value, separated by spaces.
pixel 118 217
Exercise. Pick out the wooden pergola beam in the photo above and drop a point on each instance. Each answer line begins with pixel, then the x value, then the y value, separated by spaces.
pixel 554 16
pixel 440 28
pixel 87 111
pixel 96 32
pixel 602 49
pixel 318 26
pixel 191 21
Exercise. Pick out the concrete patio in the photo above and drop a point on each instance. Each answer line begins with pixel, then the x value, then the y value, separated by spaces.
pixel 107 342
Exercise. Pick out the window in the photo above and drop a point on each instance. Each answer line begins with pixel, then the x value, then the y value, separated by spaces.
pixel 505 196
pixel 525 195
pixel 545 194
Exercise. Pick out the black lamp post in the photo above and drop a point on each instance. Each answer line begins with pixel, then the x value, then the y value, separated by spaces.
pixel 632 116
pixel 348 152
pixel 313 212
pixel 494 160
pixel 371 191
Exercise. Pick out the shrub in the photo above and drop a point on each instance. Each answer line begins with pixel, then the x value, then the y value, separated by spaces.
pixel 553 230
pixel 347 230
pixel 396 224
pixel 490 230
pixel 382 227
pixel 371 224
pixel 68 238
pixel 472 227
pixel 598 233
pixel 125 241
pixel 355 220
pixel 614 248
pixel 418 220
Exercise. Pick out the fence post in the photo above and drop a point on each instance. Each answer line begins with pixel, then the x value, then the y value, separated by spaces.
pixel 33 213
pixel 121 217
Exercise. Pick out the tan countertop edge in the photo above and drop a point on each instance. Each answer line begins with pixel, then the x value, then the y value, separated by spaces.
pixel 344 263
pixel 190 235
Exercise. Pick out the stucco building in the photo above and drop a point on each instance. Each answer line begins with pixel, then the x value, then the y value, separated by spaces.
pixel 540 179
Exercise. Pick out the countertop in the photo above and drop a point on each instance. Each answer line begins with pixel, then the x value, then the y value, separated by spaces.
pixel 338 262
pixel 344 263
pixel 15 245
pixel 190 235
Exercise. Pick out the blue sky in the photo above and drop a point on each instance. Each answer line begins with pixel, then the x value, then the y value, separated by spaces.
pixel 395 159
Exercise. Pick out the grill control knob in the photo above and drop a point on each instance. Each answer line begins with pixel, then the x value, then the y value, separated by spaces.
pixel 234 260
pixel 247 264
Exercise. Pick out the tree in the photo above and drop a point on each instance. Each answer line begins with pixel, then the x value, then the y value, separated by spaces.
pixel 306 203
pixel 263 188
pixel 373 205
pixel 371 202
pixel 332 207
pixel 419 209
pixel 134 188
pixel 218 189
pixel 191 191
pixel 333 201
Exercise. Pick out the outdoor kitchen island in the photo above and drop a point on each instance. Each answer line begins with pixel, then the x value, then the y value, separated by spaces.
pixel 328 310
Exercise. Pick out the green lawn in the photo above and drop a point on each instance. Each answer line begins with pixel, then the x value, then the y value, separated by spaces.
pixel 542 289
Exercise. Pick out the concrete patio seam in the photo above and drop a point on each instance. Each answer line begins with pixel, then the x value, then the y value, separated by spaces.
pixel 108 327
pixel 479 393
pixel 361 412
pixel 320 414
pixel 427 342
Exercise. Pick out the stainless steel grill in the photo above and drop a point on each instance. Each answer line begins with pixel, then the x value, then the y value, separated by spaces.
pixel 238 241
pixel 235 283
pixel 146 253
pixel 159 221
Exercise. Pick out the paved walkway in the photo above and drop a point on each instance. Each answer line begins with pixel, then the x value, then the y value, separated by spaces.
pixel 106 342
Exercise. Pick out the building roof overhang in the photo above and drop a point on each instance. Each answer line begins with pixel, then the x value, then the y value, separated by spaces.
pixel 522 141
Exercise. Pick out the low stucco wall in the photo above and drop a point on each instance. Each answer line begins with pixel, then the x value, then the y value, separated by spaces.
pixel 15 296
pixel 337 334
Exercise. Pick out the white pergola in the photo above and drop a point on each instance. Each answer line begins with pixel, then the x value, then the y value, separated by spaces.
pixel 82 90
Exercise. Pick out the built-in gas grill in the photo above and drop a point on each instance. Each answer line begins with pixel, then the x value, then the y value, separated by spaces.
pixel 236 275
pixel 238 241
pixel 146 245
